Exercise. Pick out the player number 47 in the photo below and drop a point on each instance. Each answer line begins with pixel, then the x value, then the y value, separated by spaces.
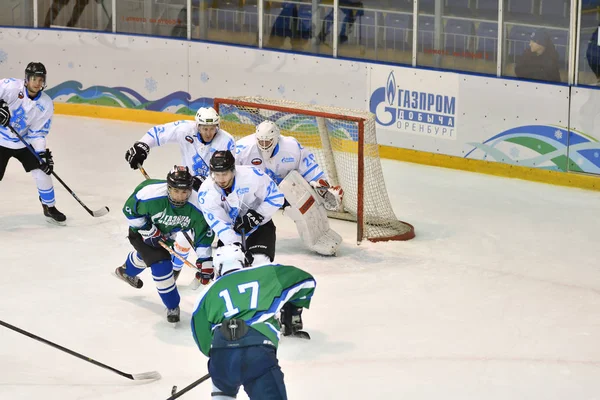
pixel 231 310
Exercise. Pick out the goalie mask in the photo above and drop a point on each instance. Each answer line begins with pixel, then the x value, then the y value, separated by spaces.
pixel 179 185
pixel 267 137
pixel 227 259
pixel 207 123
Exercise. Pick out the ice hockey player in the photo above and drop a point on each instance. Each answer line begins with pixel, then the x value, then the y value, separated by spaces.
pixel 235 325
pixel 160 210
pixel 299 176
pixel 239 201
pixel 197 141
pixel 25 107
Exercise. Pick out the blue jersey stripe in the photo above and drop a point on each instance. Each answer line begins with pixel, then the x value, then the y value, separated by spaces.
pixel 310 170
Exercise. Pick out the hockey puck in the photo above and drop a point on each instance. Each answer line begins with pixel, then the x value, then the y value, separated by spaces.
pixel 173 390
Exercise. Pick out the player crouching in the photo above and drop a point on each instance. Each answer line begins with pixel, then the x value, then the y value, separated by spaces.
pixel 158 213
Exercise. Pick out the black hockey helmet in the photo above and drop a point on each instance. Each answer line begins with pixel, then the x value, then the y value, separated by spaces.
pixel 222 161
pixel 179 178
pixel 34 69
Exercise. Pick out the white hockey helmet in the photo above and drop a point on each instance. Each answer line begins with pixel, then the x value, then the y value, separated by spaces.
pixel 228 259
pixel 207 116
pixel 267 136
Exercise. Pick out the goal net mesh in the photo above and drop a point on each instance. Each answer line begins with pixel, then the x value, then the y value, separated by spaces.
pixel 334 136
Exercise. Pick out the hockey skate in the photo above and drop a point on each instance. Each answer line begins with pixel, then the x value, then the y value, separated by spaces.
pixel 173 315
pixel 291 322
pixel 53 215
pixel 133 281
pixel 176 274
pixel 196 282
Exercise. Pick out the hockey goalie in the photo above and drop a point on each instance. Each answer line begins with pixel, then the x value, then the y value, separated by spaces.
pixel 300 178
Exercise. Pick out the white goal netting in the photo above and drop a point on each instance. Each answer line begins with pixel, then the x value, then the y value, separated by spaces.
pixel 345 145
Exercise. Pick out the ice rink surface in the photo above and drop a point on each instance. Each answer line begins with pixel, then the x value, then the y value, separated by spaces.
pixel 498 296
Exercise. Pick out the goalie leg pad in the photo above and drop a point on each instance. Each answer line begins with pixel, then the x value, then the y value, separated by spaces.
pixel 307 211
pixel 328 243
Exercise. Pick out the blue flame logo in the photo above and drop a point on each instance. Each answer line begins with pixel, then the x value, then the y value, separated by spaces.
pixel 391 89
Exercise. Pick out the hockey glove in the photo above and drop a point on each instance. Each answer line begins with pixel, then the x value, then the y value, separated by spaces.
pixel 332 195
pixel 4 113
pixel 248 222
pixel 206 271
pixel 151 236
pixel 137 154
pixel 198 181
pixel 47 164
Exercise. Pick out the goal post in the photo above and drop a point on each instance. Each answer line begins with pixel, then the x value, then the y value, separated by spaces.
pixel 345 145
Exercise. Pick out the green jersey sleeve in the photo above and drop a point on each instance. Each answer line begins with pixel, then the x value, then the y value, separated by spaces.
pixel 135 208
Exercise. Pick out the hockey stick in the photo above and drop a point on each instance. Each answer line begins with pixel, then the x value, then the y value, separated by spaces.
pixel 175 254
pixel 243 237
pixel 98 213
pixel 197 282
pixel 143 376
pixel 143 171
pixel 175 394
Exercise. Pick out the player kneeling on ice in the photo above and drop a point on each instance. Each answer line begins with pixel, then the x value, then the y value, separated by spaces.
pixel 235 325
pixel 160 211
pixel 240 201
pixel 300 178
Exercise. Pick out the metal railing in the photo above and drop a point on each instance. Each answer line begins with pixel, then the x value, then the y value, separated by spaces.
pixel 373 32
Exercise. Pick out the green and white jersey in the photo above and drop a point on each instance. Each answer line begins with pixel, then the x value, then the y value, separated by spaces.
pixel 255 295
pixel 149 204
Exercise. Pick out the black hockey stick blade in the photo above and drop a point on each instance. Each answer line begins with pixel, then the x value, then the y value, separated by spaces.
pixel 301 335
pixel 176 395
pixel 101 212
pixel 152 375
pixel 143 376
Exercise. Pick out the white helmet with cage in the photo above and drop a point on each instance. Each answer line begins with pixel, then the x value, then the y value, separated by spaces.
pixel 228 259
pixel 267 136
pixel 207 116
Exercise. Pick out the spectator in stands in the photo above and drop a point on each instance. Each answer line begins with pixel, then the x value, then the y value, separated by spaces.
pixel 350 15
pixel 58 5
pixel 593 55
pixel 540 61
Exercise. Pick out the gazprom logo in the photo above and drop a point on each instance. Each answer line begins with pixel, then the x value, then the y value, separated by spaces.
pixel 385 116
pixel 414 111
pixel 391 89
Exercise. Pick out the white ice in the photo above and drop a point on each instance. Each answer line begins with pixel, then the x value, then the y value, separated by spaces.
pixel 498 296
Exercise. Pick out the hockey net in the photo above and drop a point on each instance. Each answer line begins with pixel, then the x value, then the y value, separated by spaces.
pixel 345 146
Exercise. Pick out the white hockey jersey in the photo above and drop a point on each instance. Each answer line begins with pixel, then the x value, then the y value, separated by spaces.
pixel 288 155
pixel 252 190
pixel 194 152
pixel 30 118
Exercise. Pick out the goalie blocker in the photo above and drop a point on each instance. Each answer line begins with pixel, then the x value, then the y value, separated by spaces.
pixel 308 212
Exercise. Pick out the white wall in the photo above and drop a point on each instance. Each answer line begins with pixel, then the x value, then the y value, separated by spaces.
pixel 510 121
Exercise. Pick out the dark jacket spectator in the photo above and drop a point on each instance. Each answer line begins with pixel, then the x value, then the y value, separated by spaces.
pixel 540 61
pixel 593 54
